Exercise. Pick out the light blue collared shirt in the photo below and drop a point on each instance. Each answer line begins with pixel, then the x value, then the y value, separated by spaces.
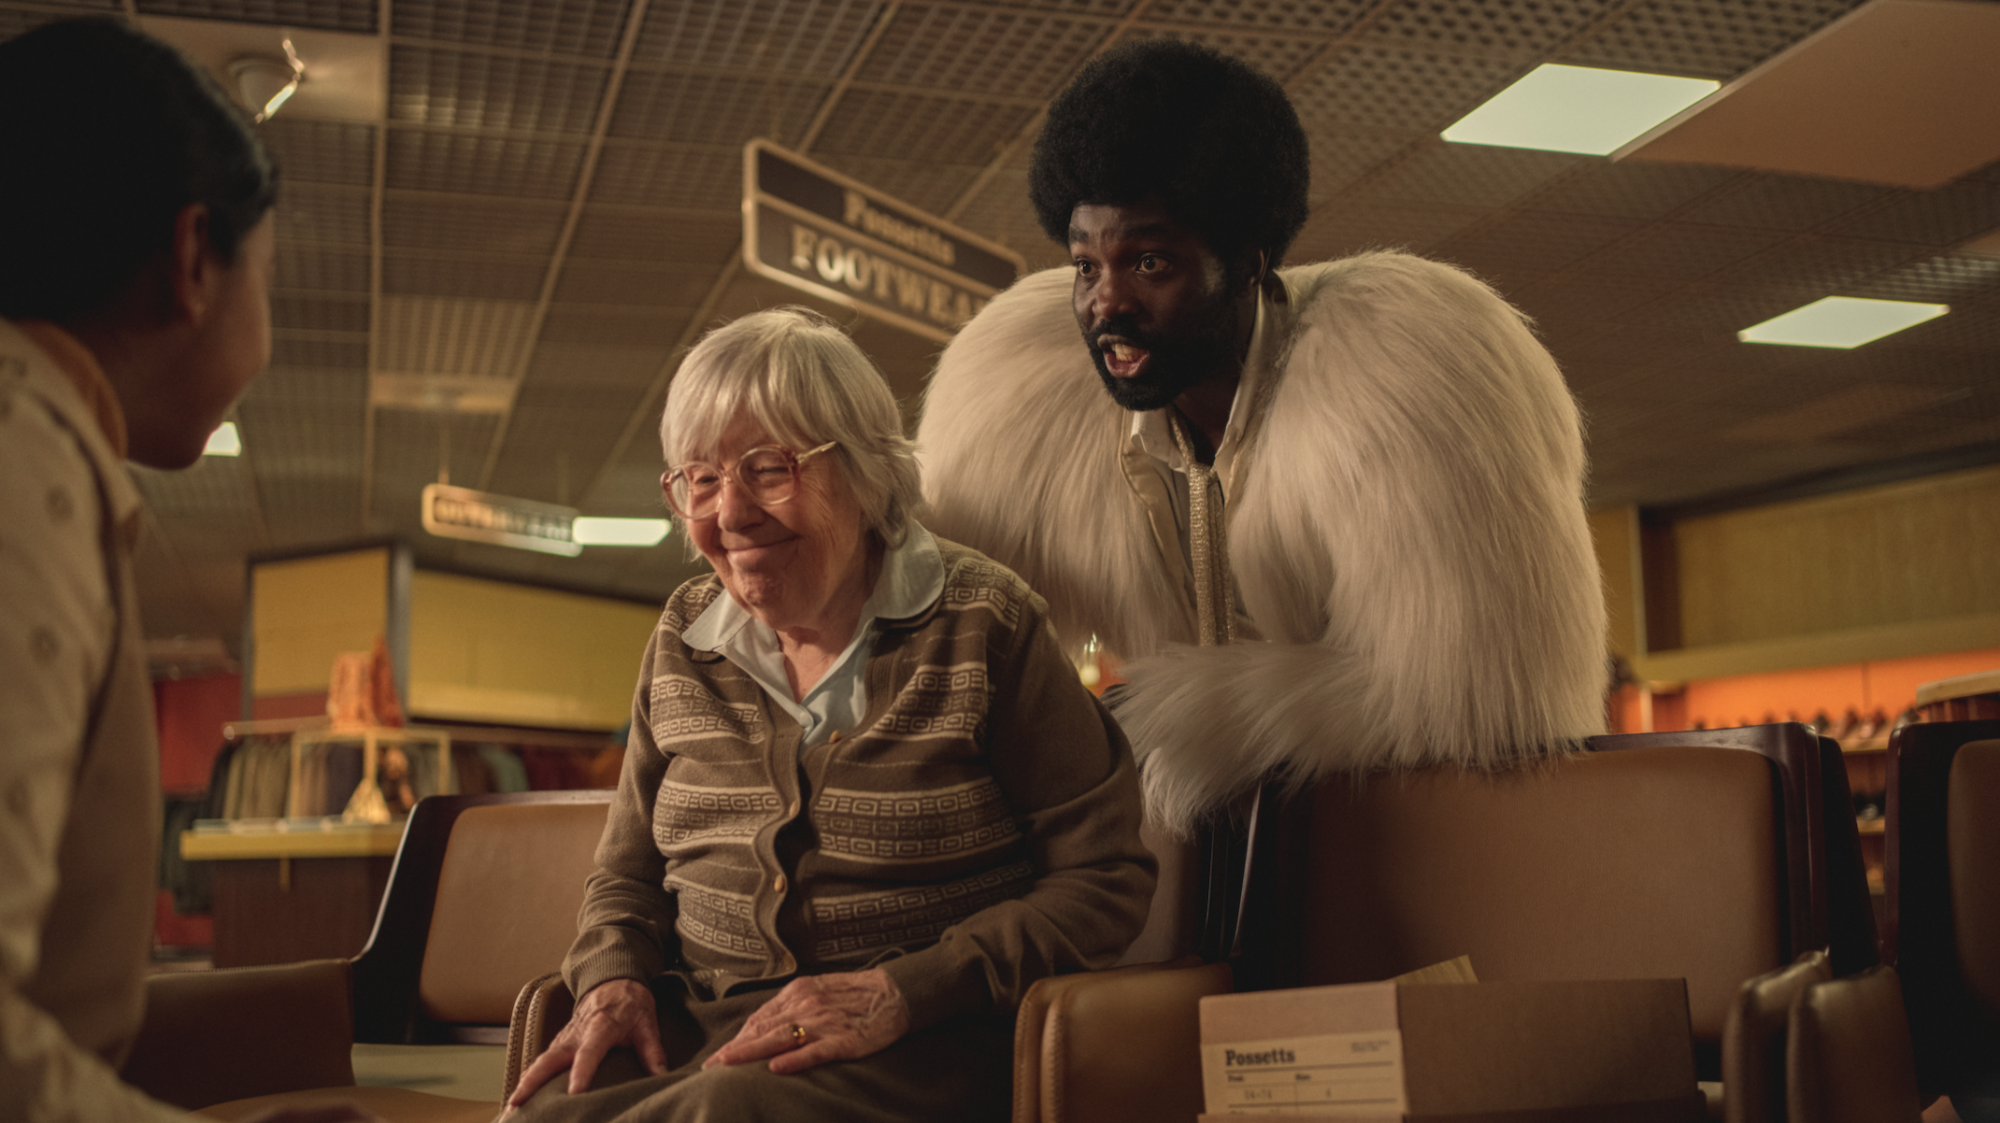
pixel 912 577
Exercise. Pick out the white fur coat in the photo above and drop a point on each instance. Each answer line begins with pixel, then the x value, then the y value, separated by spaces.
pixel 1407 532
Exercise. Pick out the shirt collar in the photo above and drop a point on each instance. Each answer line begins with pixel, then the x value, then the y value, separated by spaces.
pixel 81 368
pixel 1149 432
pixel 912 577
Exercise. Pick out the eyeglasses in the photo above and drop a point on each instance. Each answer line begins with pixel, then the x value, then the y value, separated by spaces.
pixel 768 475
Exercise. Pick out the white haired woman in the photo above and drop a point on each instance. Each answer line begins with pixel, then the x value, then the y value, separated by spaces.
pixel 866 801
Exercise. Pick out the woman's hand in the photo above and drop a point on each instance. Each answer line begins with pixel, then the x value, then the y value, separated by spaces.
pixel 843 1016
pixel 614 1013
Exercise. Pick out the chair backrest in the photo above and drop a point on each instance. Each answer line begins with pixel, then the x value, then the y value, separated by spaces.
pixel 483 898
pixel 1848 1053
pixel 1647 863
pixel 1943 875
pixel 1754 1038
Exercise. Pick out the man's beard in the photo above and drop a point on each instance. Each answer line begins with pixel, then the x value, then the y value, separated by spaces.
pixel 1177 361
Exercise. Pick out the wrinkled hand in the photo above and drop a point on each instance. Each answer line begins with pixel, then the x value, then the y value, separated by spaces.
pixel 845 1016
pixel 614 1013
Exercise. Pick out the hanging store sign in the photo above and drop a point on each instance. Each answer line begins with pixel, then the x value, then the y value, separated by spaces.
pixel 810 227
pixel 502 520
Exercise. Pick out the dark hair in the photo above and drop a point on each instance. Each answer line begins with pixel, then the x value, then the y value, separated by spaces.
pixel 110 134
pixel 1213 138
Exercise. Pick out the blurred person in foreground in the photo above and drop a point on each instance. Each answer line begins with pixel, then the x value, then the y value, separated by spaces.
pixel 135 269
pixel 866 801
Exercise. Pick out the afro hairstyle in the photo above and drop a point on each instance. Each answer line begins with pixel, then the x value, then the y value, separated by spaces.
pixel 1216 140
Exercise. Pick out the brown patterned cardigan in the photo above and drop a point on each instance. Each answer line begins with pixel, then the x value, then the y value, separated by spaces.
pixel 978 831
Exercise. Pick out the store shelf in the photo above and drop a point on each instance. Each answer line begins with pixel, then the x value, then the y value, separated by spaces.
pixel 303 842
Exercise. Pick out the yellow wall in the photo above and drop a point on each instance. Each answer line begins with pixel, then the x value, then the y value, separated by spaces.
pixel 306 611
pixel 1615 530
pixel 1920 550
pixel 1889 572
pixel 493 652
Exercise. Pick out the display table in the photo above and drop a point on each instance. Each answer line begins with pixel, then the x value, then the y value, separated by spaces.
pixel 287 890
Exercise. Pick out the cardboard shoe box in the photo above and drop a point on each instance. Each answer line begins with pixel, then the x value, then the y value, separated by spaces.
pixel 1616 1051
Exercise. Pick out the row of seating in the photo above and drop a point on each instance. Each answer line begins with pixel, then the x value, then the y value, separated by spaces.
pixel 1728 858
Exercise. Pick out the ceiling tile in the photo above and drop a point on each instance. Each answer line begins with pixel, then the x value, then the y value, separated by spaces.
pixel 1703 38
pixel 455 89
pixel 571 27
pixel 468 276
pixel 801 39
pixel 1353 225
pixel 1500 31
pixel 873 123
pixel 1002 53
pixel 311 269
pixel 1783 202
pixel 423 160
pixel 713 110
pixel 657 237
pixel 1470 175
pixel 457 224
pixel 1286 15
pixel 1942 218
pixel 1339 159
pixel 696 177
pixel 319 313
pixel 323 215
pixel 439 335
pixel 1397 90
pixel 1631 191
pixel 1281 57
pixel 330 15
pixel 319 152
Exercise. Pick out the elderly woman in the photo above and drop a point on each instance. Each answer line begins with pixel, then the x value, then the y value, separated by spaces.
pixel 866 801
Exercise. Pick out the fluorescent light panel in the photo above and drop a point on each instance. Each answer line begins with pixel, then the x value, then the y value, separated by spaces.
pixel 1841 321
pixel 224 441
pixel 618 532
pixel 1577 109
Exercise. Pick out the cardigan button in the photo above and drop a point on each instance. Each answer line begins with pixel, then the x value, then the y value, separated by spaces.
pixel 778 884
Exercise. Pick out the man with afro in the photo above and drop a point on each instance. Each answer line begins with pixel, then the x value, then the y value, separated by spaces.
pixel 1330 516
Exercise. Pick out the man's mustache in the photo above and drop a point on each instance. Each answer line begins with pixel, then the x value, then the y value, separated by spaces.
pixel 1121 329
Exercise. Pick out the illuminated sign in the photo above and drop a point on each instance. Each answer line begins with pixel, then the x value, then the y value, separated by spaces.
pixel 810 227
pixel 460 512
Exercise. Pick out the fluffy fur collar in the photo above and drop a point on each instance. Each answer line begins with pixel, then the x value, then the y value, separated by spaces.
pixel 1407 532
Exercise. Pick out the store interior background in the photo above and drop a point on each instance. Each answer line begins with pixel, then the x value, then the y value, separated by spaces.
pixel 493 247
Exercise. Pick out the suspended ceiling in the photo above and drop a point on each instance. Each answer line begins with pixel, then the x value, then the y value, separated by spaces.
pixel 549 212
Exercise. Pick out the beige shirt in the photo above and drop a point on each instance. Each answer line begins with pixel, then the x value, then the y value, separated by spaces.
pixel 1164 490
pixel 79 761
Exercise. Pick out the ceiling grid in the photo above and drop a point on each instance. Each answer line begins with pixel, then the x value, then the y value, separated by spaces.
pixel 551 202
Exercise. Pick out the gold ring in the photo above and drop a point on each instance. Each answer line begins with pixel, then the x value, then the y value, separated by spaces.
pixel 798 1035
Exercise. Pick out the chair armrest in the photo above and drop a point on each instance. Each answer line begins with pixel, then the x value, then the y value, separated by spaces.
pixel 1031 1020
pixel 214 1036
pixel 1126 1045
pixel 1753 1040
pixel 540 1012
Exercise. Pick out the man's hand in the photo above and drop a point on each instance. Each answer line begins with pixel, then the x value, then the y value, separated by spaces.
pixel 614 1013
pixel 842 1017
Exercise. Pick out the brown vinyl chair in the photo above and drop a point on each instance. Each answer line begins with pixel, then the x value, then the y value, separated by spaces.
pixel 1848 1057
pixel 1754 1037
pixel 1943 879
pixel 1697 855
pixel 482 898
